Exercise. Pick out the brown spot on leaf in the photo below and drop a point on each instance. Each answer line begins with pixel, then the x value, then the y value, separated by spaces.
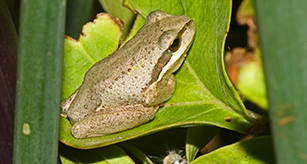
pixel 228 119
pixel 286 120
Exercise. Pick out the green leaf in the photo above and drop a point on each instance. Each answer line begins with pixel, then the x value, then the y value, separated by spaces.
pixel 107 155
pixel 250 76
pixel 197 138
pixel 203 93
pixel 251 83
pixel 40 56
pixel 284 57
pixel 257 151
pixel 115 8
pixel 136 152
pixel 246 9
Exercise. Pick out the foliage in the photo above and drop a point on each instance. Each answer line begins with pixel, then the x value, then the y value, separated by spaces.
pixel 40 55
pixel 204 100
pixel 197 97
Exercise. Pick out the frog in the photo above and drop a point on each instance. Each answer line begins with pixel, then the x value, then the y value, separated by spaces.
pixel 125 89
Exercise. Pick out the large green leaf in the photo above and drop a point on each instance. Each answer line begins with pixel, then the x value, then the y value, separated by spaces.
pixel 203 93
pixel 257 151
pixel 40 56
pixel 282 29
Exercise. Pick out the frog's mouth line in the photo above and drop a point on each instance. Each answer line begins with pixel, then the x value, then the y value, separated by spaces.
pixel 178 56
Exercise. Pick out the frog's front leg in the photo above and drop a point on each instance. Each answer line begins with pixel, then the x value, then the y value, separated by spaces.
pixel 102 124
pixel 159 92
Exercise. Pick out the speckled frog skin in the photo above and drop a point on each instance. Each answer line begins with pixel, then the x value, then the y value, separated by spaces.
pixel 126 88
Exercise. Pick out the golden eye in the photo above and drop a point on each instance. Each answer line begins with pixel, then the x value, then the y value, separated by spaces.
pixel 174 46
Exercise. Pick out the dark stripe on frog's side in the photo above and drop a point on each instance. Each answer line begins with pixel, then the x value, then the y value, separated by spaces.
pixel 163 60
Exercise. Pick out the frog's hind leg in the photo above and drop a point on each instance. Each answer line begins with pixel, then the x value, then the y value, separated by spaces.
pixel 103 124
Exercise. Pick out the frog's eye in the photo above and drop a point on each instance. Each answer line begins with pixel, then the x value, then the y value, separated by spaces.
pixel 174 46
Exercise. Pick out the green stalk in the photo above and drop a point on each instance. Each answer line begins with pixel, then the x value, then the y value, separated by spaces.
pixel 282 28
pixel 40 56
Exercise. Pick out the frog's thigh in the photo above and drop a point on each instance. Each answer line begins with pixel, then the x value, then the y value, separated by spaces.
pixel 160 92
pixel 103 124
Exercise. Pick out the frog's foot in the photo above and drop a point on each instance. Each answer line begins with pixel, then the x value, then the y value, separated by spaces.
pixel 129 117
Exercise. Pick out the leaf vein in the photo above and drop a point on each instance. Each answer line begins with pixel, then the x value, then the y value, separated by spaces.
pixel 86 54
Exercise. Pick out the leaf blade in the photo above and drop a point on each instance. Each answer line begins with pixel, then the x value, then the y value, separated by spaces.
pixel 39 81
pixel 257 150
pixel 284 58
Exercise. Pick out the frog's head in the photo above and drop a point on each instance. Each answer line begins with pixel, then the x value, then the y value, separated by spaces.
pixel 175 40
pixel 172 36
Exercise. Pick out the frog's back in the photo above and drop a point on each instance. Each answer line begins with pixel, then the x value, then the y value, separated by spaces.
pixel 118 80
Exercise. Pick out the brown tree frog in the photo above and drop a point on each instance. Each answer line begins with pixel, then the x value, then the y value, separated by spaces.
pixel 126 88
